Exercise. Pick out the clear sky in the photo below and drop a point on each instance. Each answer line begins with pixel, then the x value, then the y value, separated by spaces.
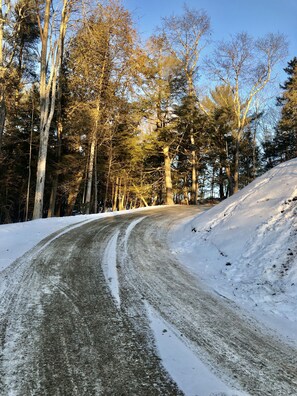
pixel 256 17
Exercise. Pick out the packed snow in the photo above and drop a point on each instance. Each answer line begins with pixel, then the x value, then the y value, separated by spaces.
pixel 245 248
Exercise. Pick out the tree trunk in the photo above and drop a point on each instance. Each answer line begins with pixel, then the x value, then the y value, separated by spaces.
pixel 90 171
pixel 115 196
pixel 2 77
pixel 168 179
pixel 96 182
pixel 254 154
pixel 194 188
pixel 236 167
pixel 108 178
pixel 73 193
pixel 52 203
pixel 30 161
pixel 221 183
pixel 51 211
pixel 95 131
pixel 230 180
pixel 47 98
pixel 2 116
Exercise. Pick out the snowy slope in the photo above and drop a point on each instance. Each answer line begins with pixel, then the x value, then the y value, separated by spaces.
pixel 245 248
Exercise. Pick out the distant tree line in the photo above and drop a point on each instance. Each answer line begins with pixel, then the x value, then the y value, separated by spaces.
pixel 92 120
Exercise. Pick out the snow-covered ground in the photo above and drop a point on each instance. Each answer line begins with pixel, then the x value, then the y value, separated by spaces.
pixel 16 239
pixel 245 248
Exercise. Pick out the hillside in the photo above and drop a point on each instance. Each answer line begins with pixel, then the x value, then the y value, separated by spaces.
pixel 245 248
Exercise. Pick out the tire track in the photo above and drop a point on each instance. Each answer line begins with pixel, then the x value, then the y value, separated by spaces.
pixel 237 347
pixel 64 334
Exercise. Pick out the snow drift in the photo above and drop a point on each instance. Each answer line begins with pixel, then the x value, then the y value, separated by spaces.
pixel 245 248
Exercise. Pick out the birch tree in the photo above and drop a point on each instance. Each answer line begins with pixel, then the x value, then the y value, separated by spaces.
pixel 50 63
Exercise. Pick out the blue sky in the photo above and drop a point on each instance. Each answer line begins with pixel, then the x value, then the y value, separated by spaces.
pixel 256 17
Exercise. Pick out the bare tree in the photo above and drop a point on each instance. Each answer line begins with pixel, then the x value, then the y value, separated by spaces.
pixel 246 65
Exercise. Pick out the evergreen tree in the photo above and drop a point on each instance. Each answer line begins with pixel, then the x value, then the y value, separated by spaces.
pixel 285 139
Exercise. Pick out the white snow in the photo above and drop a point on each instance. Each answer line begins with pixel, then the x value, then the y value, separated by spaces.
pixel 130 228
pixel 110 260
pixel 245 248
pixel 192 376
pixel 110 267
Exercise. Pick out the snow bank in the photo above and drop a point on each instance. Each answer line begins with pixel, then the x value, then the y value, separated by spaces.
pixel 245 248
pixel 16 239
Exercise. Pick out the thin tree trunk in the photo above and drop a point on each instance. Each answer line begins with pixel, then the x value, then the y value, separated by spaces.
pixel 221 183
pixel 96 182
pixel 194 188
pixel 90 171
pixel 120 194
pixel 52 203
pixel 108 178
pixel 236 167
pixel 95 130
pixel 254 154
pixel 228 173
pixel 29 164
pixel 2 77
pixel 168 179
pixel 123 200
pixel 212 182
pixel 115 197
pixel 230 181
pixel 2 116
pixel 185 191
pixel 73 193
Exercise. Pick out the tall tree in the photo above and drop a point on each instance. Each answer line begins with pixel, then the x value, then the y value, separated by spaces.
pixel 50 63
pixel 5 8
pixel 99 67
pixel 246 66
pixel 185 36
pixel 285 140
pixel 164 81
pixel 218 108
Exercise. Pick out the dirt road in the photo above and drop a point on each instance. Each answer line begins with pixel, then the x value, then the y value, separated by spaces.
pixel 73 317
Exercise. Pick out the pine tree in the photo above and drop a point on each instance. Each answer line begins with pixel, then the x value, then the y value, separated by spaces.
pixel 285 139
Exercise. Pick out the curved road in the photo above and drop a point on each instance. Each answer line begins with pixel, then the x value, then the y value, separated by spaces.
pixel 73 316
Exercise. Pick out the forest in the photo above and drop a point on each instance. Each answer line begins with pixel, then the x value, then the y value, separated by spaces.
pixel 93 119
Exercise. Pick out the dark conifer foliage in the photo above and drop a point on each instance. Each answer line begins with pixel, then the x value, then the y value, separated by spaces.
pixel 282 146
pixel 286 133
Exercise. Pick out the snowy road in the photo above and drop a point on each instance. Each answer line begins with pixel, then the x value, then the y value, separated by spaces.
pixel 74 317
